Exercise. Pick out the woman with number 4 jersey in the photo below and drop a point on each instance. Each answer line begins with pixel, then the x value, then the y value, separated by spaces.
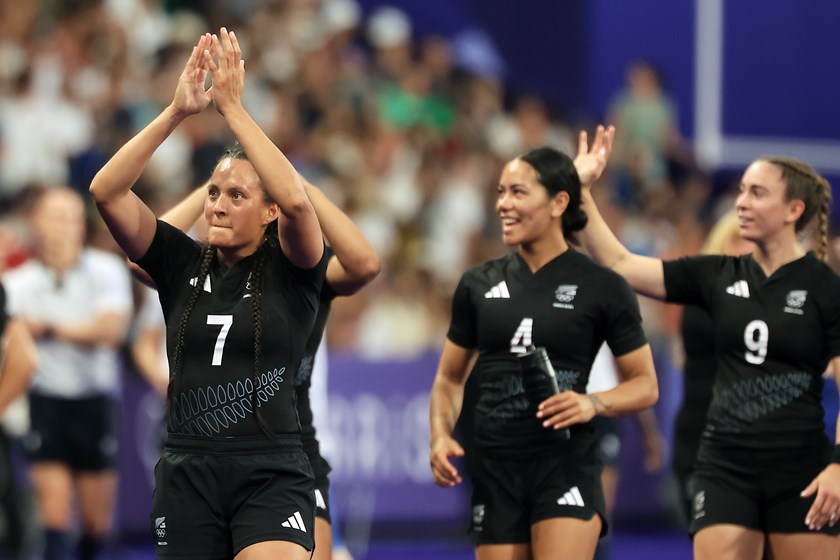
pixel 765 473
pixel 537 494
pixel 233 480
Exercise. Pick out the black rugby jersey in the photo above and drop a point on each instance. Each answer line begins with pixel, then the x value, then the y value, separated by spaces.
pixel 213 394
pixel 773 339
pixel 304 378
pixel 570 306
pixel 697 332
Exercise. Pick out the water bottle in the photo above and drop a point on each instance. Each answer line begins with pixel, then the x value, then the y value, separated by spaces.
pixel 538 378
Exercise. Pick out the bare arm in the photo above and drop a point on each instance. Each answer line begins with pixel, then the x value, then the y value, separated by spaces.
pixel 638 389
pixel 446 400
pixel 19 363
pixel 644 274
pixel 146 353
pixel 300 232
pixel 655 455
pixel 183 216
pixel 355 262
pixel 130 221
pixel 186 213
pixel 107 329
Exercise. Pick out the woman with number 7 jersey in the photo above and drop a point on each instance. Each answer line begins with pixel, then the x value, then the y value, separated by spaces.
pixel 765 474
pixel 233 480
pixel 536 493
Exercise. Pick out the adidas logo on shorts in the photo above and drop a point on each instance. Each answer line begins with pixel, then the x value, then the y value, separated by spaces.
pixel 295 521
pixel 571 498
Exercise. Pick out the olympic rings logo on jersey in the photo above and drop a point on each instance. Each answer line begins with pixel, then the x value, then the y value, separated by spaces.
pixel 565 294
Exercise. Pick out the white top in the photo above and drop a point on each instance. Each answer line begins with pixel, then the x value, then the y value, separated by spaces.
pixel 99 284
pixel 151 318
pixel 603 376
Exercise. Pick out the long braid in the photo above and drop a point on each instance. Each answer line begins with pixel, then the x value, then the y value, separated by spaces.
pixel 805 184
pixel 178 352
pixel 822 217
pixel 270 241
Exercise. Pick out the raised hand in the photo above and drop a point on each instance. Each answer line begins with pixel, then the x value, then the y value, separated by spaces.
pixel 228 74
pixel 191 97
pixel 591 161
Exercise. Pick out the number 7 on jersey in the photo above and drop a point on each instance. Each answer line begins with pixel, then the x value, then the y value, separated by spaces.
pixel 225 321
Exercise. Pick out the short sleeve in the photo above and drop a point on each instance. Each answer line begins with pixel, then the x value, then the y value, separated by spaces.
pixel 690 280
pixel 462 328
pixel 625 332
pixel 170 256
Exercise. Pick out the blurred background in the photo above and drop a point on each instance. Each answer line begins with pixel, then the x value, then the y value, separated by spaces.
pixel 403 113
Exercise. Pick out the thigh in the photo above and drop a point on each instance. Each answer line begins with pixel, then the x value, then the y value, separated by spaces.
pixel 503 552
pixel 499 514
pixel 97 493
pixel 728 542
pixel 323 539
pixel 53 483
pixel 565 538
pixel 813 546
pixel 186 520
pixel 272 550
pixel 273 497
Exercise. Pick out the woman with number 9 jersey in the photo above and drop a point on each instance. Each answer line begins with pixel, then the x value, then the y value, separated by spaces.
pixel 765 473
pixel 537 494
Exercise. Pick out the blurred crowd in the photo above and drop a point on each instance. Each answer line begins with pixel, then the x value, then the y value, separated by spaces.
pixel 407 133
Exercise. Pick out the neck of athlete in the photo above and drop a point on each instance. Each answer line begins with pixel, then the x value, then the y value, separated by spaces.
pixel 540 252
pixel 772 254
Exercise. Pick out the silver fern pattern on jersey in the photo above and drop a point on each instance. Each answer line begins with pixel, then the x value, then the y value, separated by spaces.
pixel 735 407
pixel 209 410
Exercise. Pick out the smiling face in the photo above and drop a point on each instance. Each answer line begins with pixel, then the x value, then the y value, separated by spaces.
pixel 236 209
pixel 527 212
pixel 763 211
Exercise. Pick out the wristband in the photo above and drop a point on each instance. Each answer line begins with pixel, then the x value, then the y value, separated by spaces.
pixel 835 454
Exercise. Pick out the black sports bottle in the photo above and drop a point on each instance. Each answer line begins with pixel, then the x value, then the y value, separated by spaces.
pixel 538 378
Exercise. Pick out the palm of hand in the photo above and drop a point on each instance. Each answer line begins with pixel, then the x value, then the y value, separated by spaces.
pixel 589 167
pixel 190 95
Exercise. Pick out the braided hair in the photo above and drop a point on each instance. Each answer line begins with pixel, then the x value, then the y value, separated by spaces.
pixel 270 241
pixel 805 184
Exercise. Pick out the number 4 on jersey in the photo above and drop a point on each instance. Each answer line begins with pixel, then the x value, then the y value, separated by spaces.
pixel 522 337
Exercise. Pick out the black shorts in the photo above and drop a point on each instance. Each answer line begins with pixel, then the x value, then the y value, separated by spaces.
pixel 608 436
pixel 322 499
pixel 511 495
pixel 214 498
pixel 762 496
pixel 321 469
pixel 80 433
